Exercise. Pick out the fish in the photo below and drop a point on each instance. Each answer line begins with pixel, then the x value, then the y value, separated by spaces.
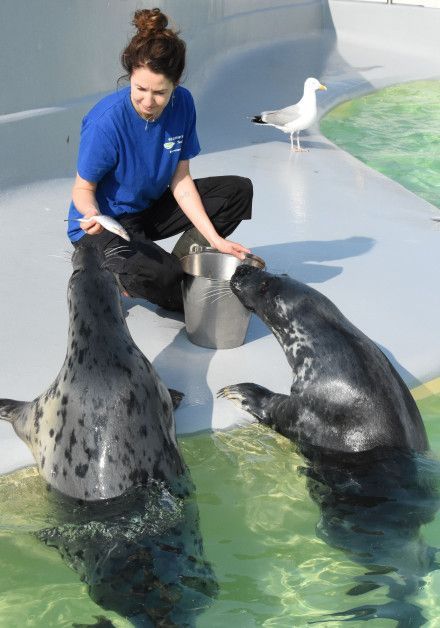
pixel 108 223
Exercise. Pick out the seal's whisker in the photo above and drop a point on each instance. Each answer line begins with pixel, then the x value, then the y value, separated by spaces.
pixel 221 296
pixel 212 298
pixel 116 253
pixel 116 248
pixel 107 257
pixel 216 291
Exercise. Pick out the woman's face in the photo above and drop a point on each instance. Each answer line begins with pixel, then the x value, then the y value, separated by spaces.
pixel 150 92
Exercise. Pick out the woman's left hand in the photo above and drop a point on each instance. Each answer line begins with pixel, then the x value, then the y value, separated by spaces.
pixel 233 248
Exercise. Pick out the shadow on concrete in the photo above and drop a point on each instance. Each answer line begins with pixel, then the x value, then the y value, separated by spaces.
pixel 303 260
pixel 184 366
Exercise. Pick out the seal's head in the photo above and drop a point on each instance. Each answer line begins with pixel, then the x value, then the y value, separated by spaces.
pixel 91 277
pixel 87 258
pixel 260 291
pixel 251 285
pixel 278 300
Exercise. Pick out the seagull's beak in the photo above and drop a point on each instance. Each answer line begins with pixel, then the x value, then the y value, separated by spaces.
pixel 322 87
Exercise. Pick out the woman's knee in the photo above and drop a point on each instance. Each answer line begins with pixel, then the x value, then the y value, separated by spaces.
pixel 240 200
pixel 245 187
pixel 159 284
pixel 241 187
pixel 173 274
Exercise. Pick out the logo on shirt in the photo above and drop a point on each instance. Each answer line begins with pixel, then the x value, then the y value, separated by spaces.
pixel 173 144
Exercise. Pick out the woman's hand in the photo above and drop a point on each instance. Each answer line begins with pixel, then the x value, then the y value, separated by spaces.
pixel 91 227
pixel 233 248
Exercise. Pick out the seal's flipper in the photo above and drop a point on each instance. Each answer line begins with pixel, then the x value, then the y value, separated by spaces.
pixel 10 410
pixel 255 399
pixel 176 397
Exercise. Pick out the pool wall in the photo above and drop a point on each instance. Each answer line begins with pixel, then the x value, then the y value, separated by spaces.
pixel 58 58
pixel 380 45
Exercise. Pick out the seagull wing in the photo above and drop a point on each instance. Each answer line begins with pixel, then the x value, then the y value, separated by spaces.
pixel 282 116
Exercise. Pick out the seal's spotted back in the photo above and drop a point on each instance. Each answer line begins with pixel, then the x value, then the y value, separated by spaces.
pixel 106 423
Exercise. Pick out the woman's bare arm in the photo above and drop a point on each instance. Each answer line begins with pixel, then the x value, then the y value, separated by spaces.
pixel 84 199
pixel 186 194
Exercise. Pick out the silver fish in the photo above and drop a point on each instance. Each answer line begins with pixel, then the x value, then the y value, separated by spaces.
pixel 108 223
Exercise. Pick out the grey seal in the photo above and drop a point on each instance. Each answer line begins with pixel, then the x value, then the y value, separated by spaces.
pixel 106 423
pixel 345 395
pixel 103 436
pixel 351 416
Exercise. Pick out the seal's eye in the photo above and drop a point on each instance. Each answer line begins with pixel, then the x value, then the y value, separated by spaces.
pixel 264 287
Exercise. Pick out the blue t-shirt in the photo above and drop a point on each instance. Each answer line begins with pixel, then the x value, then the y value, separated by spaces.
pixel 132 160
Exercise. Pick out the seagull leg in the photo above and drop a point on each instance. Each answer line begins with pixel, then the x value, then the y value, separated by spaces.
pixel 298 146
pixel 291 141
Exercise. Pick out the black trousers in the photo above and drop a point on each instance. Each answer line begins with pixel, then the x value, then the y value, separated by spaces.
pixel 146 270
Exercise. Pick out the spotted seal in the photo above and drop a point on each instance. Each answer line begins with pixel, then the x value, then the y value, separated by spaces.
pixel 346 395
pixel 106 423
pixel 103 435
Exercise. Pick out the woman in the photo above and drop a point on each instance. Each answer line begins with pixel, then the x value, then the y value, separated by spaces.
pixel 133 165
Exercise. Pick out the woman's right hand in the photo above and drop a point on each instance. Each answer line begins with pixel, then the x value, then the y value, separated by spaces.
pixel 91 227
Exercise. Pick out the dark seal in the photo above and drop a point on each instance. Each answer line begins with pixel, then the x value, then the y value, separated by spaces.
pixel 103 436
pixel 365 448
pixel 345 395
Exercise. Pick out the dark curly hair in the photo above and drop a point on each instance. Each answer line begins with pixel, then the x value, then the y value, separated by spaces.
pixel 154 46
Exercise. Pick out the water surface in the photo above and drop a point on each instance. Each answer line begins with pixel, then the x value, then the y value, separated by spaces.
pixel 259 525
pixel 396 131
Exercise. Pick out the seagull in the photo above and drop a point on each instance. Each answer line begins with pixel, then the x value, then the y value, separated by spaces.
pixel 297 117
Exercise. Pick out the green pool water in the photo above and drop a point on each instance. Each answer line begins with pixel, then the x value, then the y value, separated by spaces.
pixel 395 131
pixel 258 522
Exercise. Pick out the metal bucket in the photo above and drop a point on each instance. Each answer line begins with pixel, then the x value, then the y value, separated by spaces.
pixel 214 317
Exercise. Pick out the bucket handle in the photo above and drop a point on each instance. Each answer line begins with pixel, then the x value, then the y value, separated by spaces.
pixel 199 248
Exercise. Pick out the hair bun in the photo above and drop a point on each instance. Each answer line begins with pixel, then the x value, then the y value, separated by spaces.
pixel 149 21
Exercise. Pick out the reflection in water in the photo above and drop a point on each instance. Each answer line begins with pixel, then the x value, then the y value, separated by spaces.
pixel 355 551
pixel 372 505
pixel 141 555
